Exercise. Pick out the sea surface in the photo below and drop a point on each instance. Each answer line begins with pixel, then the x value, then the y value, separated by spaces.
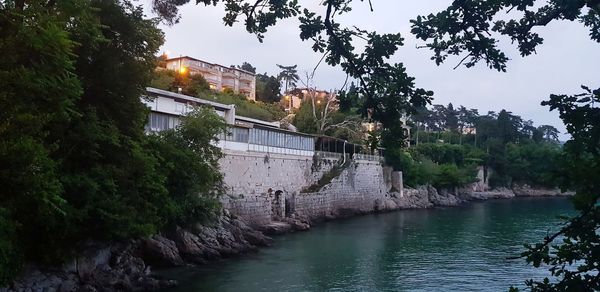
pixel 451 249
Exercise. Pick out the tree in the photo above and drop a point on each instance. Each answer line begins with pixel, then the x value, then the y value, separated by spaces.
pixel 508 126
pixel 421 116
pixel 247 67
pixel 550 133
pixel 190 84
pixel 193 189
pixel 349 99
pixel 289 76
pixel 450 118
pixel 267 88
pixel 321 112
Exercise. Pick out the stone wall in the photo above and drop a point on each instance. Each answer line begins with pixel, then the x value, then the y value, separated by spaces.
pixel 355 190
pixel 253 173
pixel 256 210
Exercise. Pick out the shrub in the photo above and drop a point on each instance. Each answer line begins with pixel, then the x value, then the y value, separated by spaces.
pixel 189 162
pixel 451 176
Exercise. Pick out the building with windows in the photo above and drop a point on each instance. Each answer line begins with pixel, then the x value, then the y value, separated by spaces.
pixel 219 77
pixel 245 134
pixel 295 97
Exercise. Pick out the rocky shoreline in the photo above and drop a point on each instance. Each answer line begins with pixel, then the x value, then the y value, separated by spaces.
pixel 127 266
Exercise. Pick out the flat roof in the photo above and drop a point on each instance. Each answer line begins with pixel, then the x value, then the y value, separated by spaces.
pixel 174 95
pixel 216 105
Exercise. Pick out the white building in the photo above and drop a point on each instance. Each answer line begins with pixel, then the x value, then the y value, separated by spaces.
pixel 246 134
pixel 219 77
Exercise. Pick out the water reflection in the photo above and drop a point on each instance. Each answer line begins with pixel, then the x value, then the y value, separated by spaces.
pixel 462 248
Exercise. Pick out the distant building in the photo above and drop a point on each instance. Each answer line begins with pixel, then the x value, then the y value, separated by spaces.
pixel 295 97
pixel 469 131
pixel 218 76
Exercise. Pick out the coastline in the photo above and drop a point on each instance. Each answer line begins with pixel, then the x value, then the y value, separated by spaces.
pixel 128 265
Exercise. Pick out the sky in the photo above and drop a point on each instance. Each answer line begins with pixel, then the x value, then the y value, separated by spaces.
pixel 566 60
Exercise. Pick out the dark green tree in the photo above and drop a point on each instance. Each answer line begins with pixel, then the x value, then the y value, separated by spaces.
pixel 267 88
pixel 289 77
pixel 550 133
pixel 349 99
pixel 247 67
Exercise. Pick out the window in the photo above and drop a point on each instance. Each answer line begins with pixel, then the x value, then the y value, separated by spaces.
pixel 159 122
pixel 240 135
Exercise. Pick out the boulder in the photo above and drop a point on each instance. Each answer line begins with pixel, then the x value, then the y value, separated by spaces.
pixel 443 197
pixel 257 238
pixel 276 228
pixel 385 204
pixel 414 199
pixel 160 251
pixel 190 246
pixel 297 225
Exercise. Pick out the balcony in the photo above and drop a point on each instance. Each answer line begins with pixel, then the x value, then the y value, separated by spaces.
pixel 229 74
pixel 229 82
pixel 246 77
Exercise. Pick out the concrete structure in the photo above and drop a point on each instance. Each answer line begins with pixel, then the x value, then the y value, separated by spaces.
pixel 218 76
pixel 268 190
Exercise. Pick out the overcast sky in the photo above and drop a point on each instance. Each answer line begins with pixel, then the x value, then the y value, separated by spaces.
pixel 567 59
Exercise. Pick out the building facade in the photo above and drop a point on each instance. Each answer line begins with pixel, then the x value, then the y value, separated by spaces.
pixel 294 99
pixel 219 77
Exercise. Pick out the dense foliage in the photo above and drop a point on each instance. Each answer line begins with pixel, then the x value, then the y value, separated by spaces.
pixel 513 150
pixel 75 163
pixel 189 145
pixel 267 88
pixel 441 165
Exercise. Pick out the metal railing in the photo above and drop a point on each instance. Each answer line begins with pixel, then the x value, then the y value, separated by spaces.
pixel 368 157
pixel 329 155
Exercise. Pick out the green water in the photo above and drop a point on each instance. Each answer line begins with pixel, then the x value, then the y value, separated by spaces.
pixel 453 249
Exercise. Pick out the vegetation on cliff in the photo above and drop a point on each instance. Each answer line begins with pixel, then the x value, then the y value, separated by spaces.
pixel 513 151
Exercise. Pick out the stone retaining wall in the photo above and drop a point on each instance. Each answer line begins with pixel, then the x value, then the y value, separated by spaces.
pixel 253 173
pixel 358 189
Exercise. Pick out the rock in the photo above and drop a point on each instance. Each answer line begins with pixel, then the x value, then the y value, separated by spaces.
pixel 93 256
pixel 68 285
pixel 443 197
pixel 527 191
pixel 414 199
pixel 160 251
pixel 191 248
pixel 297 225
pixel 385 204
pixel 500 193
pixel 257 238
pixel 276 228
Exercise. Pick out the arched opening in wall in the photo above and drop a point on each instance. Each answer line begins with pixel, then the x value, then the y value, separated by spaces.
pixel 278 205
